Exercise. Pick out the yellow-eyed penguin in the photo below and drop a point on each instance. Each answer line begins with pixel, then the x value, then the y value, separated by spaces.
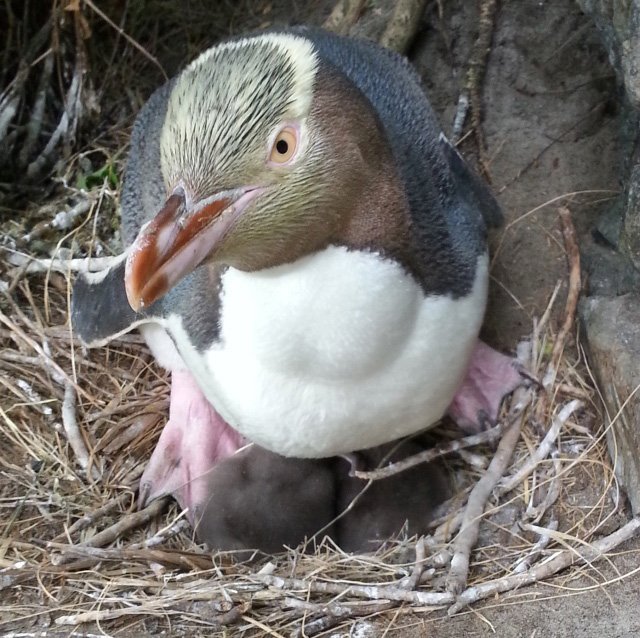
pixel 258 500
pixel 306 253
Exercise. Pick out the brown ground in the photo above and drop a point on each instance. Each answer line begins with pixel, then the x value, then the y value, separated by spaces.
pixel 551 125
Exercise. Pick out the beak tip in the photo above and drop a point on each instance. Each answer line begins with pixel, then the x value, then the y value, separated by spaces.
pixel 132 291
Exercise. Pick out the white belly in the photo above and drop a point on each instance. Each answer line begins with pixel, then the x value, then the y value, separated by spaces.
pixel 336 352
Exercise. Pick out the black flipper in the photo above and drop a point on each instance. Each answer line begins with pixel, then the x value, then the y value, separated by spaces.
pixel 470 187
pixel 100 311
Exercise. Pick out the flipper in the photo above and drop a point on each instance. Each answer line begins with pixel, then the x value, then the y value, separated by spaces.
pixel 470 188
pixel 100 311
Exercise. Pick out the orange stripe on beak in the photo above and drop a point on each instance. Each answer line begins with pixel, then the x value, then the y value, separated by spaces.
pixel 167 249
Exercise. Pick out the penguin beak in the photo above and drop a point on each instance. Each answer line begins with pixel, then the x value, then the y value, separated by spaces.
pixel 177 240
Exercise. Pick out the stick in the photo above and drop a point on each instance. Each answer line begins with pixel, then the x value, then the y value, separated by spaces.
pixel 432 453
pixel 333 613
pixel 560 561
pixel 34 126
pixel 115 531
pixel 89 519
pixel 573 294
pixel 371 592
pixel 535 514
pixel 471 94
pixel 128 522
pixel 571 304
pixel 524 563
pixel 163 535
pixel 416 573
pixel 170 558
pixel 74 436
pixel 543 450
pixel 81 264
pixel 62 220
pixel 150 607
pixel 466 539
pixel 128 38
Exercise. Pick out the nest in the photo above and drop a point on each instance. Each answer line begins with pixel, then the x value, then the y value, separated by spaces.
pixel 78 426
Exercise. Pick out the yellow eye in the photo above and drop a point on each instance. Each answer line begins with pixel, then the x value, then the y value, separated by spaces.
pixel 284 146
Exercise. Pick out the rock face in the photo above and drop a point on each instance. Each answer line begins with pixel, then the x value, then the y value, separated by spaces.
pixel 611 317
pixel 630 239
pixel 612 325
pixel 618 22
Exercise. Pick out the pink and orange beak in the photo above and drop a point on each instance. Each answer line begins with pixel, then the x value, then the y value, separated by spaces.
pixel 176 241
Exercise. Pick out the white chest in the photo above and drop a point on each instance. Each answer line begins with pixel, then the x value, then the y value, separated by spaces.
pixel 336 352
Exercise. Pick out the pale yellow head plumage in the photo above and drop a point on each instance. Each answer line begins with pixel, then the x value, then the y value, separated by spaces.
pixel 226 106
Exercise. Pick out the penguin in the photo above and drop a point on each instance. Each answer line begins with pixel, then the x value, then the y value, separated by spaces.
pixel 305 252
pixel 260 501
pixel 403 503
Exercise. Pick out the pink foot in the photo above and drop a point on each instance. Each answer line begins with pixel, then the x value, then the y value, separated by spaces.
pixel 194 438
pixel 489 378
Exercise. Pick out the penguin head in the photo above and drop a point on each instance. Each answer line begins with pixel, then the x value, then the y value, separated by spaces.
pixel 266 151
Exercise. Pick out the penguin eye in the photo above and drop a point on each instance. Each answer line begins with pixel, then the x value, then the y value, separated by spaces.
pixel 284 146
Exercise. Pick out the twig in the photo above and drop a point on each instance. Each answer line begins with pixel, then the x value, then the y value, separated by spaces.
pixel 524 563
pixel 10 98
pixel 163 535
pixel 91 518
pixel 56 371
pixel 403 25
pixel 81 264
pixel 74 436
pixel 34 126
pixel 543 450
pixel 477 461
pixel 343 16
pixel 125 524
pixel 459 119
pixel 418 567
pixel 563 559
pixel 573 294
pixel 372 592
pixel 61 221
pixel 447 528
pixel 571 304
pixel 332 613
pixel 432 453
pixel 67 123
pixel 101 615
pixel 142 554
pixel 534 514
pixel 471 94
pixel 130 432
pixel 466 539
pixel 127 37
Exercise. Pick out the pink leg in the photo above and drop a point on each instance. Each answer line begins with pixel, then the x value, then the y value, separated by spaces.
pixel 489 378
pixel 194 438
